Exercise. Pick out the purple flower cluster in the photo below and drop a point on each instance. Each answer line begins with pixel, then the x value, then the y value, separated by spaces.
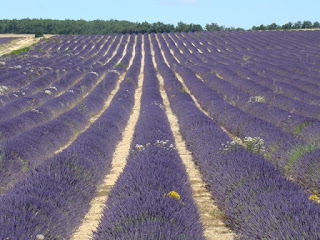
pixel 52 199
pixel 139 206
pixel 239 112
pixel 30 148
pixel 255 196
pixel 6 39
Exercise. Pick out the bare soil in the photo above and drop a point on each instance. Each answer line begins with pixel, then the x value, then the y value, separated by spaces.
pixel 23 40
pixel 93 217
pixel 211 217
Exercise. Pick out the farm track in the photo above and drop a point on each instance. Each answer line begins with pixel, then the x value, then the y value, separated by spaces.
pixel 91 220
pixel 21 42
pixel 211 217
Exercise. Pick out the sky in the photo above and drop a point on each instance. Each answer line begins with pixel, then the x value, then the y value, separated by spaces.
pixel 235 13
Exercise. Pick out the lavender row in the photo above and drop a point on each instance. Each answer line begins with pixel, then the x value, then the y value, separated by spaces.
pixel 307 125
pixel 23 152
pixel 282 78
pixel 233 119
pixel 258 201
pixel 6 39
pixel 289 122
pixel 45 107
pixel 247 79
pixel 249 59
pixel 152 198
pixel 282 149
pixel 29 70
pixel 299 154
pixel 53 199
pixel 25 103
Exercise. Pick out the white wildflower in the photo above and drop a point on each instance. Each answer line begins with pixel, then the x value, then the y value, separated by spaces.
pixel 254 99
pixel 114 71
pixel 94 73
pixel 36 111
pixel 3 89
pixel 40 237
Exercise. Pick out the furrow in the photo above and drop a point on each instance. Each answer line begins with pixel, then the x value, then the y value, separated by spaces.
pixel 92 218
pixel 105 106
pixel 211 216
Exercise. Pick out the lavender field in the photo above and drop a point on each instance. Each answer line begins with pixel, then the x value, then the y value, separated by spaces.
pixel 204 135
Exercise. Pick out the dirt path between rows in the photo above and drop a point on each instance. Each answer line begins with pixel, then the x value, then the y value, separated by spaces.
pixel 91 120
pixel 92 219
pixel 211 216
pixel 238 140
pixel 105 106
pixel 23 40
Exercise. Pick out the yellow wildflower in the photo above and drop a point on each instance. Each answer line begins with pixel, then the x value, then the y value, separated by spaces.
pixel 174 194
pixel 314 198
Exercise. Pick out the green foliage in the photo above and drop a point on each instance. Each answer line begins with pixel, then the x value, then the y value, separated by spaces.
pixel 121 65
pixel 83 89
pixel 300 127
pixel 183 90
pixel 66 27
pixel 38 33
pixel 21 50
pixel 214 27
pixel 288 26
pixel 1 156
pixel 183 27
pixel 83 106
pixel 297 152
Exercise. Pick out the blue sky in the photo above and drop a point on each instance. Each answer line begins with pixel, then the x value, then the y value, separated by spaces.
pixel 237 13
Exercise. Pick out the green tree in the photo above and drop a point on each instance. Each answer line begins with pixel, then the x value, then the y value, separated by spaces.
pixel 306 24
pixel 214 27
pixel 272 26
pixel 316 25
pixel 288 25
pixel 297 25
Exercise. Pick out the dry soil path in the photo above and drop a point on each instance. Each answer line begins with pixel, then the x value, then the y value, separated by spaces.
pixel 211 216
pixel 23 40
pixel 92 218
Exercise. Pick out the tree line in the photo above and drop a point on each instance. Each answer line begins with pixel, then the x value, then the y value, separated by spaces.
pixel 288 26
pixel 50 26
